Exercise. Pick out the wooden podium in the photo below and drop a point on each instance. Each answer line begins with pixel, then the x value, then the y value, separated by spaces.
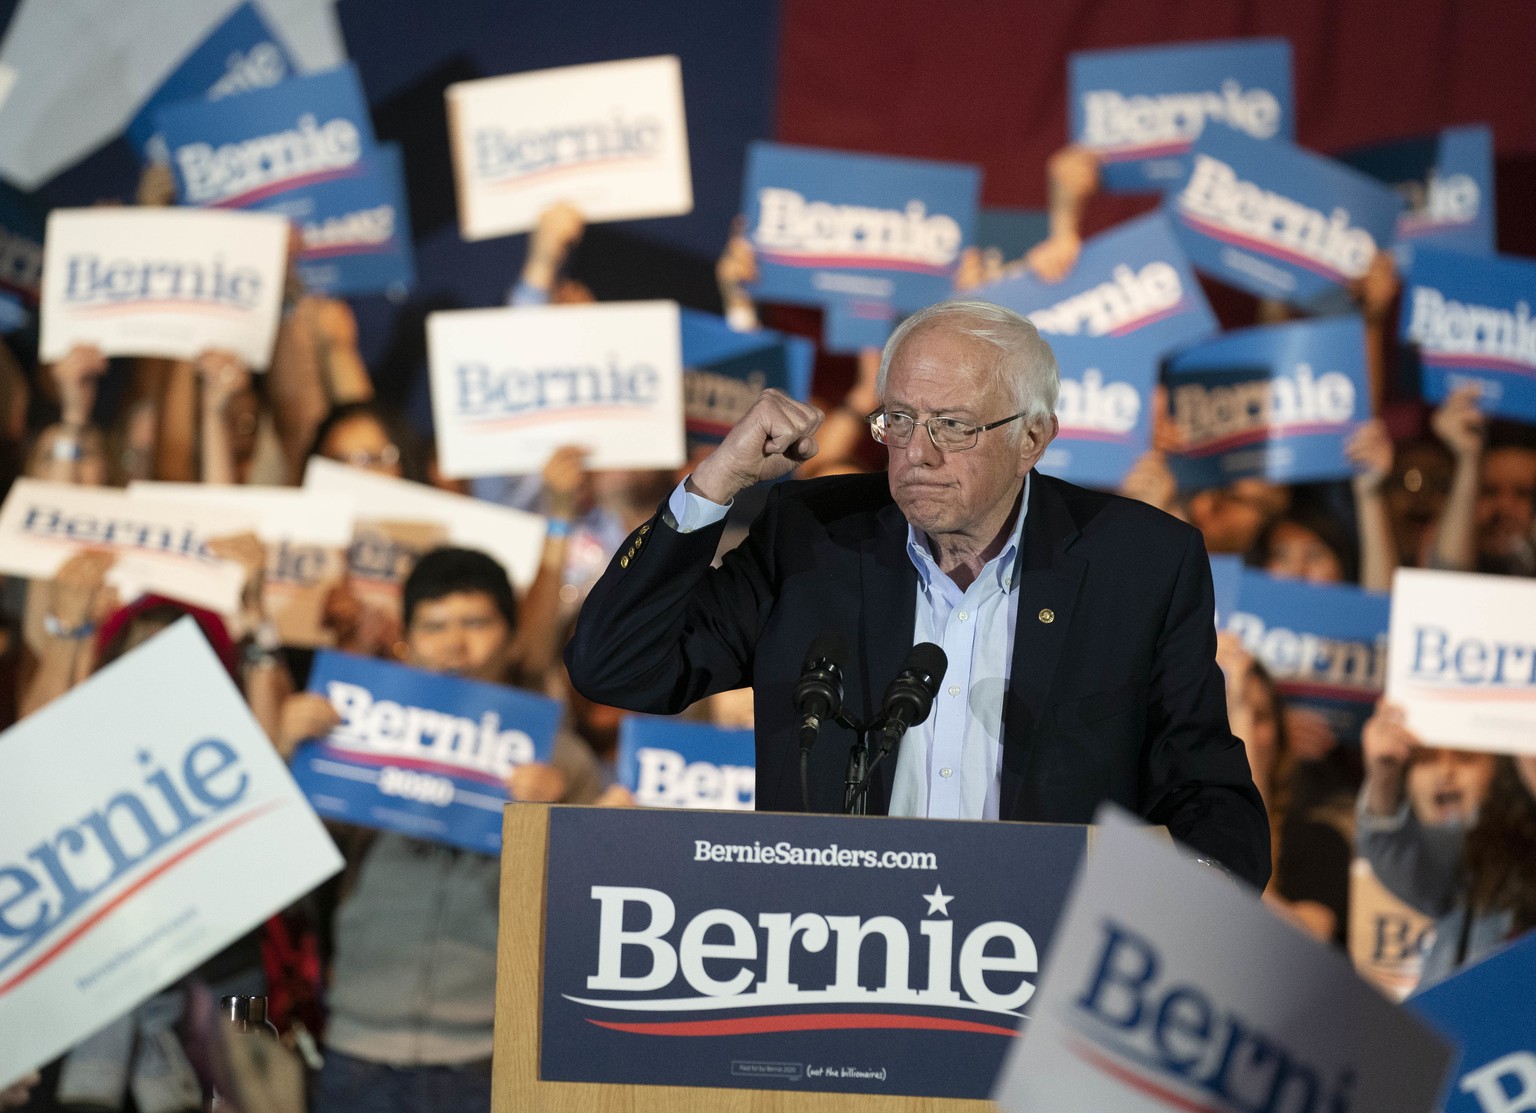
pixel 516 1086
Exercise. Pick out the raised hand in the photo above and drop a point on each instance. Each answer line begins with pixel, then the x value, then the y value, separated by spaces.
pixel 772 438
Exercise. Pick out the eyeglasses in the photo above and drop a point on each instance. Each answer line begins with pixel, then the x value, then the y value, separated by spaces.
pixel 947 434
pixel 386 457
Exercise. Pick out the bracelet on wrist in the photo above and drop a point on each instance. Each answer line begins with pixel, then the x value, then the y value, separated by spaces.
pixel 54 628
pixel 557 529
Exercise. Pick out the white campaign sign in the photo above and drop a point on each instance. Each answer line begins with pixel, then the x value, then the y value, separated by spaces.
pixel 160 545
pixel 509 386
pixel 148 822
pixel 1461 659
pixel 281 514
pixel 609 138
pixel 1170 988
pixel 514 537
pixel 163 282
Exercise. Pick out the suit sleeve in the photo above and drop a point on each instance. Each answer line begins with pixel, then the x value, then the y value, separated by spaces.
pixel 661 629
pixel 1196 777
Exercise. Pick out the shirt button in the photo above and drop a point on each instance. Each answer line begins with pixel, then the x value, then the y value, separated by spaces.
pixel 954 689
pixel 946 772
pixel 964 616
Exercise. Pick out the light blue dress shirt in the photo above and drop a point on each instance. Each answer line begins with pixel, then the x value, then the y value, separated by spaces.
pixel 949 766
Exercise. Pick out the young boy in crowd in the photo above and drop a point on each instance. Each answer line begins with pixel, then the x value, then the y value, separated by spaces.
pixel 412 989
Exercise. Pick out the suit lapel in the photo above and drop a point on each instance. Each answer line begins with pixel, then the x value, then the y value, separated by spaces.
pixel 888 586
pixel 1049 578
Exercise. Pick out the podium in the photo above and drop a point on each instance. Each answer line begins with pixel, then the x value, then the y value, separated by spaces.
pixel 975 964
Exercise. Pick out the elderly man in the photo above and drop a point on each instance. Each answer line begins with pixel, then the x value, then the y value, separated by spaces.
pixel 1078 626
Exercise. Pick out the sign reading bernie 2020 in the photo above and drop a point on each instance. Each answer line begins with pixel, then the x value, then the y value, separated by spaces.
pixel 148 824
pixel 420 753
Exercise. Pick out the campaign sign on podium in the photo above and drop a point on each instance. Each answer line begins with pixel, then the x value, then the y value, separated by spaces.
pixel 509 386
pixel 1324 644
pixel 1462 659
pixel 420 753
pixel 811 953
pixel 1139 110
pixel 829 226
pixel 1470 318
pixel 1278 401
pixel 163 282
pixel 1486 1011
pixel 607 137
pixel 1447 180
pixel 1277 220
pixel 1170 989
pixel 148 823
pixel 672 763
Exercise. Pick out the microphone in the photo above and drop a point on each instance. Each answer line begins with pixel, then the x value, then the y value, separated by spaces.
pixel 910 696
pixel 819 691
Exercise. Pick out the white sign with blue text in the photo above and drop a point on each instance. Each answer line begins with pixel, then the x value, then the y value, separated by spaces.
pixel 148 823
pixel 609 138
pixel 509 386
pixel 159 545
pixel 163 282
pixel 1277 401
pixel 833 226
pixel 420 753
pixel 300 132
pixel 1470 318
pixel 672 763
pixel 1140 110
pixel 1461 659
pixel 1170 989
pixel 1486 1011
pixel 1279 221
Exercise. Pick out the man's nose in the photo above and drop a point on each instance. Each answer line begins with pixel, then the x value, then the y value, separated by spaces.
pixel 921 449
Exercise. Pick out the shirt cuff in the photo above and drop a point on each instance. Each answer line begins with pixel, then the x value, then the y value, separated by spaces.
pixel 524 294
pixel 693 512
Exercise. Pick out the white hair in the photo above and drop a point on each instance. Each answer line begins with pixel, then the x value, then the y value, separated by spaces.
pixel 1028 366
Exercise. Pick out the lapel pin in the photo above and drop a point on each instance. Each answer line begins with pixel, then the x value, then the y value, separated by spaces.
pixel 1047 615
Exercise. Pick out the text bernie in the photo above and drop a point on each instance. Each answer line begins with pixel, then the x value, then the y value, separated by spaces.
pixel 383 726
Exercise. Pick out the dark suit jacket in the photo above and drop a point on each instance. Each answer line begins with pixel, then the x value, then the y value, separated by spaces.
pixel 1113 693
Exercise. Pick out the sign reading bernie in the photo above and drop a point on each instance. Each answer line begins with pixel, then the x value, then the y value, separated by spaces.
pixel 148 824
pixel 509 386
pixel 1462 659
pixel 1140 110
pixel 609 138
pixel 163 282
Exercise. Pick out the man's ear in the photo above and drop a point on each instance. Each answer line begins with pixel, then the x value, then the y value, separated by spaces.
pixel 1034 440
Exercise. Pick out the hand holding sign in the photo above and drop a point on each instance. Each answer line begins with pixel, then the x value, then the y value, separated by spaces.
pixel 775 436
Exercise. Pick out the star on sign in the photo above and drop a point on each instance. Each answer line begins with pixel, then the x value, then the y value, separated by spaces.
pixel 938 903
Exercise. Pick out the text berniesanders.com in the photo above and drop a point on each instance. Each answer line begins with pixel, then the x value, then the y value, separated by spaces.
pixel 785 854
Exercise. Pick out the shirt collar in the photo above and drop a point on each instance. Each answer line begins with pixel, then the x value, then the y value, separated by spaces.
pixel 1002 567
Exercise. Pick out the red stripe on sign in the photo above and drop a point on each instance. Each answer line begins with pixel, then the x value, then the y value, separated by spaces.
pixel 800 1022
pixel 105 910
pixel 1135 1081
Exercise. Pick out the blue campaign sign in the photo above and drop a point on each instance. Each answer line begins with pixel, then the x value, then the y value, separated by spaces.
pixel 21 259
pixel 1470 318
pixel 674 763
pixel 1139 110
pixel 808 953
pixel 1104 410
pixel 1446 179
pixel 725 370
pixel 1278 402
pixel 234 152
pixel 356 229
pixel 1132 284
pixel 420 753
pixel 1324 644
pixel 828 226
pixel 239 55
pixel 1486 1011
pixel 848 327
pixel 1278 221
pixel 1226 576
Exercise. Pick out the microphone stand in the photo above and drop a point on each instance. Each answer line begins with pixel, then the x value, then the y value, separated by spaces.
pixel 856 782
